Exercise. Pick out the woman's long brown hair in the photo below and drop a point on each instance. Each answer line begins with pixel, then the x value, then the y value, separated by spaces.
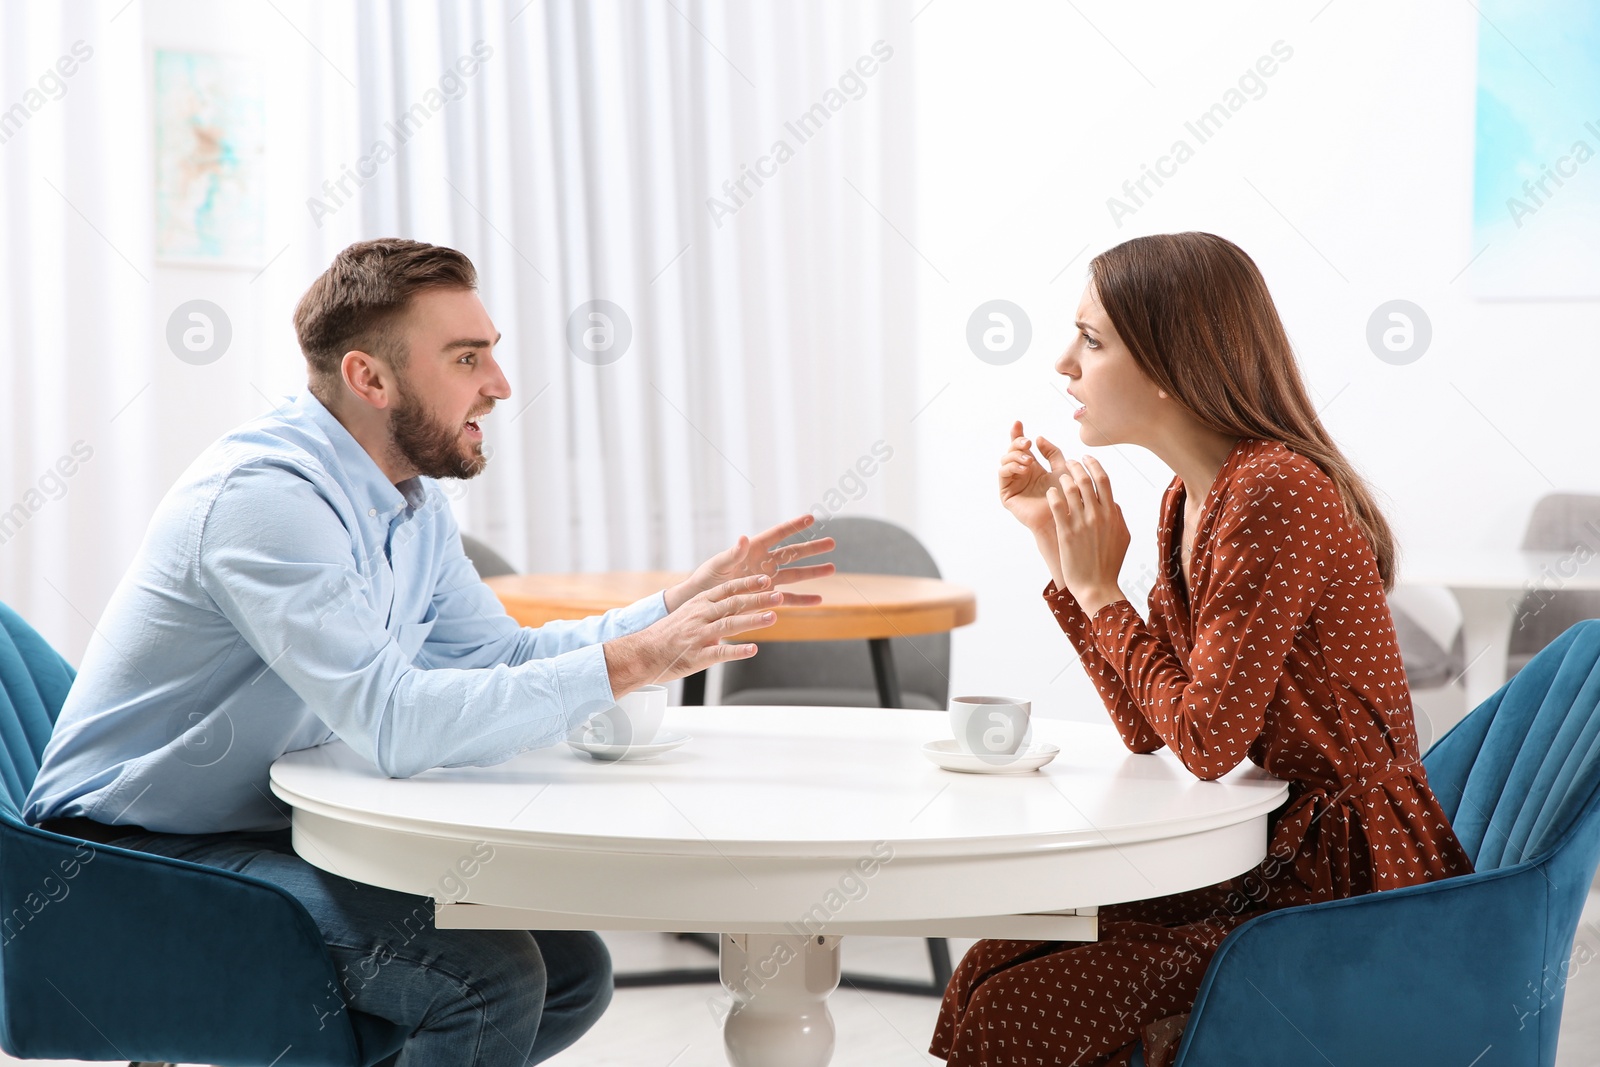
pixel 1195 313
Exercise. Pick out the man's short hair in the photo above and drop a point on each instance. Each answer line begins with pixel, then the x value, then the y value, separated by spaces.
pixel 357 302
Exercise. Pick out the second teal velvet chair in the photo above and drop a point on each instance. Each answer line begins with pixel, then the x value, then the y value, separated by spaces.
pixel 1467 971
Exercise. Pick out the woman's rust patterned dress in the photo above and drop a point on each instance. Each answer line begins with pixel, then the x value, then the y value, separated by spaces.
pixel 1286 656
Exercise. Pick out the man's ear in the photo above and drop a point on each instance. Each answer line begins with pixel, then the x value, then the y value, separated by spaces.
pixel 368 377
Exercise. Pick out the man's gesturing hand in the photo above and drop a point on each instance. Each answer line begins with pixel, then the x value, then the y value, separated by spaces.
pixel 757 555
pixel 690 638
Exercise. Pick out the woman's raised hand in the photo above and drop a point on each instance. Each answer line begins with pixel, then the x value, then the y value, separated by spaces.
pixel 1024 481
pixel 1091 534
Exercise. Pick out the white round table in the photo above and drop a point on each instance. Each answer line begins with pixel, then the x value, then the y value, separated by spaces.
pixel 1488 587
pixel 783 829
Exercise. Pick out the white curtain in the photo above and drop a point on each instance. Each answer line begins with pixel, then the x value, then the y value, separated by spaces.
pixel 571 150
pixel 576 164
pixel 76 359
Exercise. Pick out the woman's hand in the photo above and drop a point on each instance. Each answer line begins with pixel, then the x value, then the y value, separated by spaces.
pixel 751 556
pixel 1023 481
pixel 1091 534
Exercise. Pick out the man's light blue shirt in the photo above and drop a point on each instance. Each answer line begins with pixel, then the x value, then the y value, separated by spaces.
pixel 287 593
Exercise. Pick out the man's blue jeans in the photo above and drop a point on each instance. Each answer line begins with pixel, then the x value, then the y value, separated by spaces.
pixel 470 997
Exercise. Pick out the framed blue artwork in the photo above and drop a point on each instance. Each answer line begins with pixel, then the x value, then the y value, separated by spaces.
pixel 1536 156
pixel 210 144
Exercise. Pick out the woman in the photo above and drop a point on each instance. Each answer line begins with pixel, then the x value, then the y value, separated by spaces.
pixel 1269 638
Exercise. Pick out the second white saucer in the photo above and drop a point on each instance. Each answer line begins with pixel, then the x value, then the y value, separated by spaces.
pixel 945 753
pixel 630 753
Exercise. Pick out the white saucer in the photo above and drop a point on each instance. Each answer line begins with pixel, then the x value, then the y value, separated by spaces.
pixel 945 753
pixel 630 753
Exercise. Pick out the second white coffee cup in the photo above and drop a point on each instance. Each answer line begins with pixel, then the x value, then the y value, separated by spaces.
pixel 990 726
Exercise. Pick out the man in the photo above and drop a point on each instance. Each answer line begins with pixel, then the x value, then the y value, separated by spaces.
pixel 305 581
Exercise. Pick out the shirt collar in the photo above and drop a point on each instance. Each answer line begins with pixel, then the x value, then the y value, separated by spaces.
pixel 368 486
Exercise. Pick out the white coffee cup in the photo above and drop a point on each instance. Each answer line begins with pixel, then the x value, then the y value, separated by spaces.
pixel 990 726
pixel 633 720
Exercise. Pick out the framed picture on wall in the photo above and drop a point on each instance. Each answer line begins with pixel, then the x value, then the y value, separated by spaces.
pixel 210 146
pixel 1536 165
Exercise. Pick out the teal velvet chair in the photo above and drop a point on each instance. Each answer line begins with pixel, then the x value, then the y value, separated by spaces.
pixel 110 954
pixel 1470 970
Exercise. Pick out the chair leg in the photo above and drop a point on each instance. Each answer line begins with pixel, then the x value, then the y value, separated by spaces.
pixel 709 942
pixel 671 976
pixel 939 957
pixel 884 673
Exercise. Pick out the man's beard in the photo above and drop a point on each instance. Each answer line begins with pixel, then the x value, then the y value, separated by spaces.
pixel 432 447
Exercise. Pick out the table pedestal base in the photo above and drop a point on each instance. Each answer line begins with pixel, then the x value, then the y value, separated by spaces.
pixel 779 985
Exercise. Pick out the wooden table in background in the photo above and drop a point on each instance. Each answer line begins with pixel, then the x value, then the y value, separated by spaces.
pixel 869 607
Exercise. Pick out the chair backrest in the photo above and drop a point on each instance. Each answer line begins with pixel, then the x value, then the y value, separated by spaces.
pixel 1427 663
pixel 488 562
pixel 1516 773
pixel 1563 521
pixel 1559 522
pixel 872 546
pixel 865 546
pixel 34 680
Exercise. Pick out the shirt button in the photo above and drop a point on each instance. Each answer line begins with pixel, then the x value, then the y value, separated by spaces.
pixel 372 511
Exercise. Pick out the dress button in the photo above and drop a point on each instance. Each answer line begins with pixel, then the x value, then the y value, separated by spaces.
pixel 372 511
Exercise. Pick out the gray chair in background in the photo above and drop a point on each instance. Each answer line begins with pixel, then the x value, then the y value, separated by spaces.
pixel 1433 672
pixel 1428 664
pixel 840 673
pixel 490 564
pixel 1561 522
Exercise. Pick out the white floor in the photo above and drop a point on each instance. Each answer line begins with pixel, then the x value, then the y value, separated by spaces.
pixel 1580 1017
pixel 676 1027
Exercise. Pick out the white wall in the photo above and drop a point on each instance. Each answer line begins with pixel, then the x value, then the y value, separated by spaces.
pixel 1363 145
pixel 193 405
pixel 1028 120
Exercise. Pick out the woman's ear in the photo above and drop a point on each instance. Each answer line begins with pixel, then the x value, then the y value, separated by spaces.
pixel 1162 393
